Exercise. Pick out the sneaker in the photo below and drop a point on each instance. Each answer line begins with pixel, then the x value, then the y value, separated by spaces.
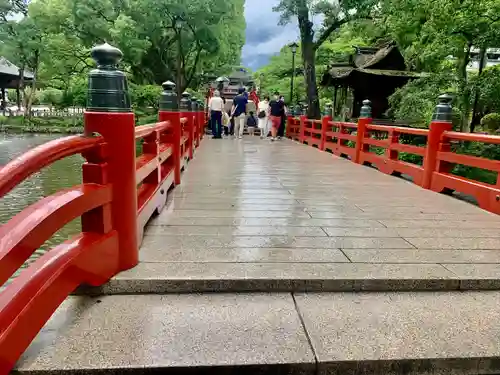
pixel 279 138
pixel 240 137
pixel 273 139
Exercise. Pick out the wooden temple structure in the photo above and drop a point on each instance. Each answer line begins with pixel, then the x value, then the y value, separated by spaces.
pixel 10 78
pixel 371 73
pixel 228 86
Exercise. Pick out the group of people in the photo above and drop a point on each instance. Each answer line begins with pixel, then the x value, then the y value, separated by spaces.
pixel 271 116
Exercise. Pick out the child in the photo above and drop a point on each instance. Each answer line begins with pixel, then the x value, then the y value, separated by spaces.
pixel 251 123
pixel 225 123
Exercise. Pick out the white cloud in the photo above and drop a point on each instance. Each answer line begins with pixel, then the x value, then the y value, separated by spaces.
pixel 264 36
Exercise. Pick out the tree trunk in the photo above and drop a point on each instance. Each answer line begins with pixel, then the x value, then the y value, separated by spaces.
pixel 476 116
pixel 308 60
pixel 29 98
pixel 20 87
pixel 463 61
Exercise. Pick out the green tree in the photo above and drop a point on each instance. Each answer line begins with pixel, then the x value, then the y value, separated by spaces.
pixel 336 14
pixel 53 39
pixel 276 75
pixel 430 31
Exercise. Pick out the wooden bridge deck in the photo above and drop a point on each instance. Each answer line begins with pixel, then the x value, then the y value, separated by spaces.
pixel 254 217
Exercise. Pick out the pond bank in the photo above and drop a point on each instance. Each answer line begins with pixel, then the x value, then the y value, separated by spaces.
pixel 56 125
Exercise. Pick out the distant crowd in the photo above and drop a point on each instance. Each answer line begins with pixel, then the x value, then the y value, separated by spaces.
pixel 270 118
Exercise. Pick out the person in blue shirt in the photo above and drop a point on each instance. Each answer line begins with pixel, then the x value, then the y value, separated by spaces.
pixel 239 112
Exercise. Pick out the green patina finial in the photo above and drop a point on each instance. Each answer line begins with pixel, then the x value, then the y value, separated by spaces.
pixel 108 88
pixel 194 104
pixel 443 109
pixel 366 109
pixel 328 109
pixel 168 98
pixel 185 104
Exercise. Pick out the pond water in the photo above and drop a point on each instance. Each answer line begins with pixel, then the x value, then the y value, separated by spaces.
pixel 62 174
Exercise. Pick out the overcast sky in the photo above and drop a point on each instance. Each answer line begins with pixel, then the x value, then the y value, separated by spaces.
pixel 264 37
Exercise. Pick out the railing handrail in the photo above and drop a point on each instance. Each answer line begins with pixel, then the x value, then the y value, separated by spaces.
pixel 399 129
pixel 42 156
pixel 148 129
pixel 29 301
pixel 472 137
pixel 29 229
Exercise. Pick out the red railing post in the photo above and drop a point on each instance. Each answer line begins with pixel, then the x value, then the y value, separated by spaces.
pixel 441 122
pixel 303 119
pixel 324 128
pixel 169 111
pixel 185 108
pixel 201 118
pixel 365 118
pixel 196 124
pixel 289 124
pixel 109 113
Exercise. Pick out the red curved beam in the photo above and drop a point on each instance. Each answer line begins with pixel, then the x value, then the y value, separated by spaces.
pixel 29 229
pixel 32 161
pixel 29 301
pixel 145 130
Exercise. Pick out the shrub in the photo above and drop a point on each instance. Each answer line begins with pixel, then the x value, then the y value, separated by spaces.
pixel 51 97
pixel 491 123
pixel 145 96
pixel 148 119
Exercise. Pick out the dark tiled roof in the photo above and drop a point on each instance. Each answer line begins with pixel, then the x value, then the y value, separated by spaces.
pixel 365 60
pixel 6 67
pixel 394 73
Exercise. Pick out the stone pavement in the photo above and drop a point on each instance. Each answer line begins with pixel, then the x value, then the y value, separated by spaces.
pixel 255 216
pixel 267 226
pixel 410 333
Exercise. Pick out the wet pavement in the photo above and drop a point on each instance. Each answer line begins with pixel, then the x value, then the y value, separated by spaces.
pixel 254 215
pixel 266 219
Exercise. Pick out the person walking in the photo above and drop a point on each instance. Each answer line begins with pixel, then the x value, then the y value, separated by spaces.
pixel 216 107
pixel 277 108
pixel 281 129
pixel 263 115
pixel 239 112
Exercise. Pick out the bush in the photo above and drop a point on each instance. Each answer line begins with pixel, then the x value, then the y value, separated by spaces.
pixel 491 123
pixel 51 97
pixel 148 119
pixel 145 96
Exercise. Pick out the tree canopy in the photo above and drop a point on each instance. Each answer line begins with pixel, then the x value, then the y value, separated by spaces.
pixel 439 37
pixel 178 40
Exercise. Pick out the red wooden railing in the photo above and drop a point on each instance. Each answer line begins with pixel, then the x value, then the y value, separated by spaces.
pixel 119 193
pixel 358 140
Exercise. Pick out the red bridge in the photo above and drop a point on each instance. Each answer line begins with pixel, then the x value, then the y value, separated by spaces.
pixel 238 243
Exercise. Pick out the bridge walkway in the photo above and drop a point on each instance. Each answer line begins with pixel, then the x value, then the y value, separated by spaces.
pixel 253 268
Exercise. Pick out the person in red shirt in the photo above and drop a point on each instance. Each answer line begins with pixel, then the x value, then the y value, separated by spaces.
pixel 277 108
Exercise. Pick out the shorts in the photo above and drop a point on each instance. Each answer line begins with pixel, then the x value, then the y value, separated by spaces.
pixel 276 121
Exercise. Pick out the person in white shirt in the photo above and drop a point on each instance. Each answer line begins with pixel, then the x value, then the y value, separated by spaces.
pixel 263 115
pixel 216 107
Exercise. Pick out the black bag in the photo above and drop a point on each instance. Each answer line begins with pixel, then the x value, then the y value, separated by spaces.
pixel 262 114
